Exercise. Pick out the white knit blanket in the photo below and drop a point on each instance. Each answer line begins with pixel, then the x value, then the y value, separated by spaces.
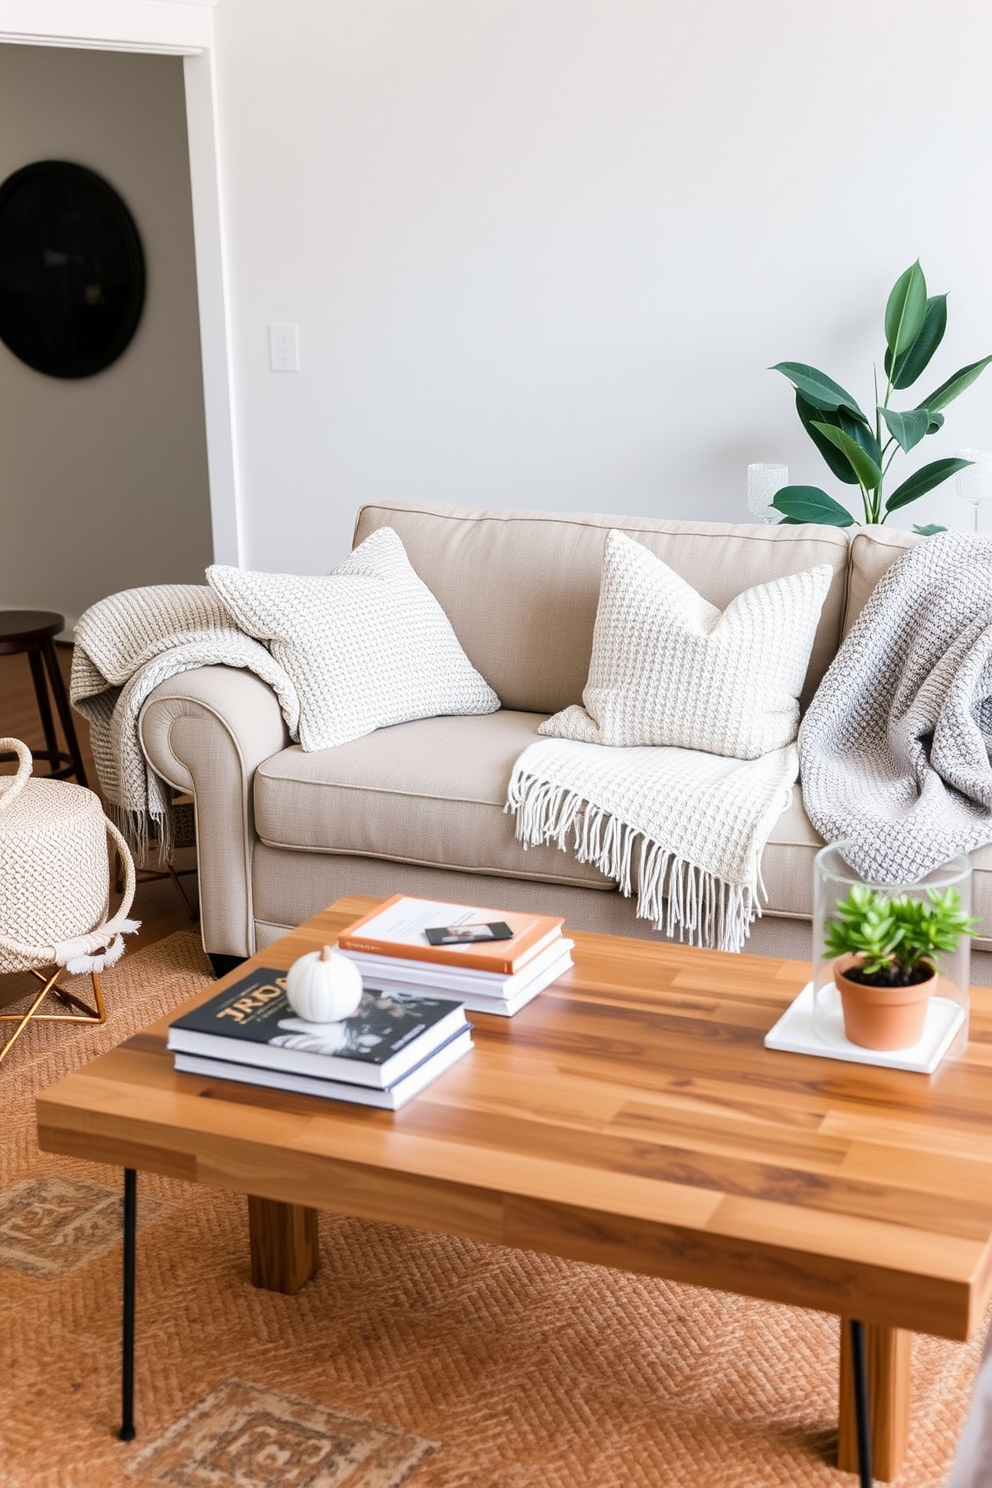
pixel 124 647
pixel 685 827
pixel 895 745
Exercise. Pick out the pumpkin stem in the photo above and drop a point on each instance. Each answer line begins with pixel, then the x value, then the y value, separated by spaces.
pixel 325 953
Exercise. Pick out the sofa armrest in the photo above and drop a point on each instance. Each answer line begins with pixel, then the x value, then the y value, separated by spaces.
pixel 206 731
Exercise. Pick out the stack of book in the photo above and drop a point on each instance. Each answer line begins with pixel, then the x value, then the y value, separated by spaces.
pixel 492 961
pixel 385 1053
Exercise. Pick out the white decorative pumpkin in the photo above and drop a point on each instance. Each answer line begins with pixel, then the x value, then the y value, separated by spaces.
pixel 324 986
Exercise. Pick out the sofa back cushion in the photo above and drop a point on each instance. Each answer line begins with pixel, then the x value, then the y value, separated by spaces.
pixel 521 587
pixel 873 550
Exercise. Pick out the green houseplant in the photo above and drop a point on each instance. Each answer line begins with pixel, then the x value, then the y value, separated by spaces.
pixel 859 450
pixel 885 951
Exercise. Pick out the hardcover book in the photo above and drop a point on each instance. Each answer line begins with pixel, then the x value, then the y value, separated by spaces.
pixel 252 1023
pixel 431 976
pixel 397 1095
pixel 398 928
pixel 480 991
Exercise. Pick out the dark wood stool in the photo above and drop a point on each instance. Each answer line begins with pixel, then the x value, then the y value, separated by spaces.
pixel 33 631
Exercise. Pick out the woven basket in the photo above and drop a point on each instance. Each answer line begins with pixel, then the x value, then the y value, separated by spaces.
pixel 55 874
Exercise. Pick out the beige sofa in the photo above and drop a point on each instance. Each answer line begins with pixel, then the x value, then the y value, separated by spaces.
pixel 418 807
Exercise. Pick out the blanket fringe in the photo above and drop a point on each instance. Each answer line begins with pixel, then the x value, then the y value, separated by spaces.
pixel 680 899
pixel 145 832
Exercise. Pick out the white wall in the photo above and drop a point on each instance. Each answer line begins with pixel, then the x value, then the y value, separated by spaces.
pixel 541 252
pixel 103 480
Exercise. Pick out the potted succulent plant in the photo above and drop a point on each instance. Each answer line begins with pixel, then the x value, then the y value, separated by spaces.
pixel 885 951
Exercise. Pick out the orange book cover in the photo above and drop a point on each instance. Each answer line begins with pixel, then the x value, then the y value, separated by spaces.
pixel 396 928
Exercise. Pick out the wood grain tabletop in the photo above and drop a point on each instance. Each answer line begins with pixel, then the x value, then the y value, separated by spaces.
pixel 629 1116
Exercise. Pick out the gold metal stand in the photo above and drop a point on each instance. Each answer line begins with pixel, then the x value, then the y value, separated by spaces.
pixel 85 1014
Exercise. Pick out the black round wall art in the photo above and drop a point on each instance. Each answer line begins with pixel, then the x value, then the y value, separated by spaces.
pixel 72 273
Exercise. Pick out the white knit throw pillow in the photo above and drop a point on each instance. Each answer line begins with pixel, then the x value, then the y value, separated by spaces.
pixel 668 668
pixel 365 646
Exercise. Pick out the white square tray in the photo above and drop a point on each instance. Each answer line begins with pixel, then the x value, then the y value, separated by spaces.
pixel 794 1032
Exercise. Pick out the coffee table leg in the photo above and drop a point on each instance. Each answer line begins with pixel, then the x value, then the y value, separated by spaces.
pixel 887 1371
pixel 127 1432
pixel 284 1254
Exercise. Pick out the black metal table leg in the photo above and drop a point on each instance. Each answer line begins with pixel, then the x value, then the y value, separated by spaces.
pixel 859 1372
pixel 127 1432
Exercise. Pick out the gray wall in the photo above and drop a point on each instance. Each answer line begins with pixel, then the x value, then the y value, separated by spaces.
pixel 103 480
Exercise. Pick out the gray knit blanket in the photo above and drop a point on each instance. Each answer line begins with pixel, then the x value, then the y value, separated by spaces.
pixel 124 647
pixel 895 746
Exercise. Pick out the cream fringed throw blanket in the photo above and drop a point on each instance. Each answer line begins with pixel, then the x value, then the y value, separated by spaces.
pixel 686 827
pixel 125 646
pixel 672 773
pixel 895 745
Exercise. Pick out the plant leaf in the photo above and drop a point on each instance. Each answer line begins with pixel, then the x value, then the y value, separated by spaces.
pixel 910 363
pixel 950 389
pixel 869 473
pixel 936 421
pixel 906 428
pixel 810 504
pixel 924 480
pixel 930 529
pixel 839 464
pixel 906 309
pixel 817 388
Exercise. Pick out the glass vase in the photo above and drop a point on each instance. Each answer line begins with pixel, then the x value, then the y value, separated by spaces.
pixel 833 879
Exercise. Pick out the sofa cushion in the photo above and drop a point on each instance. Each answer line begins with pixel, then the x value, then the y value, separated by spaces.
pixel 873 552
pixel 521 587
pixel 787 862
pixel 365 646
pixel 430 792
pixel 668 668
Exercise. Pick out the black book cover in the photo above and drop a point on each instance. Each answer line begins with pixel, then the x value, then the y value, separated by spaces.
pixel 253 1023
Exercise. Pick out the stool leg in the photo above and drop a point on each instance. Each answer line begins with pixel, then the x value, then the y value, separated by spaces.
pixel 44 710
pixel 65 711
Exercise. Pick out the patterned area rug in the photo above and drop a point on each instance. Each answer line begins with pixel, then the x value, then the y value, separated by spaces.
pixel 410 1359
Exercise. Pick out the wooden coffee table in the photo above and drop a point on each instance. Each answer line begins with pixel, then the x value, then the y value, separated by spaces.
pixel 630 1116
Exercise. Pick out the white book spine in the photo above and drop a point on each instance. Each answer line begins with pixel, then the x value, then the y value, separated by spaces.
pixel 477 1002
pixel 426 975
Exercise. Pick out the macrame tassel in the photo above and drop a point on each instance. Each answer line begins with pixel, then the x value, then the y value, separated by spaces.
pixel 97 950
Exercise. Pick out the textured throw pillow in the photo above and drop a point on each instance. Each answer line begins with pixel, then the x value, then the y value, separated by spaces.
pixel 669 668
pixel 365 646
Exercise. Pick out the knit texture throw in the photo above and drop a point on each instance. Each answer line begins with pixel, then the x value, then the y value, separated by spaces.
pixel 124 647
pixel 895 745
pixel 684 827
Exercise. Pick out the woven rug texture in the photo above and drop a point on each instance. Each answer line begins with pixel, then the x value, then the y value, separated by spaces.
pixel 410 1359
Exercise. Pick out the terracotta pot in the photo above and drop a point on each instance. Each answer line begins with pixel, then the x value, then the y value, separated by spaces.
pixel 882 1017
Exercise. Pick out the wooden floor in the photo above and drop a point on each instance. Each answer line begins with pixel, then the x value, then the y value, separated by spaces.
pixel 157 904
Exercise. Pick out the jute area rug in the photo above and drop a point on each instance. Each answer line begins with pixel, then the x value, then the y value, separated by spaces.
pixel 410 1359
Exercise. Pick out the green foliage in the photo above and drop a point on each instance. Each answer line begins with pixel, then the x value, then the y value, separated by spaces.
pixel 859 452
pixel 899 935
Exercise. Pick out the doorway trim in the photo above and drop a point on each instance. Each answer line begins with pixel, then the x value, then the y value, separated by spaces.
pixel 182 28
